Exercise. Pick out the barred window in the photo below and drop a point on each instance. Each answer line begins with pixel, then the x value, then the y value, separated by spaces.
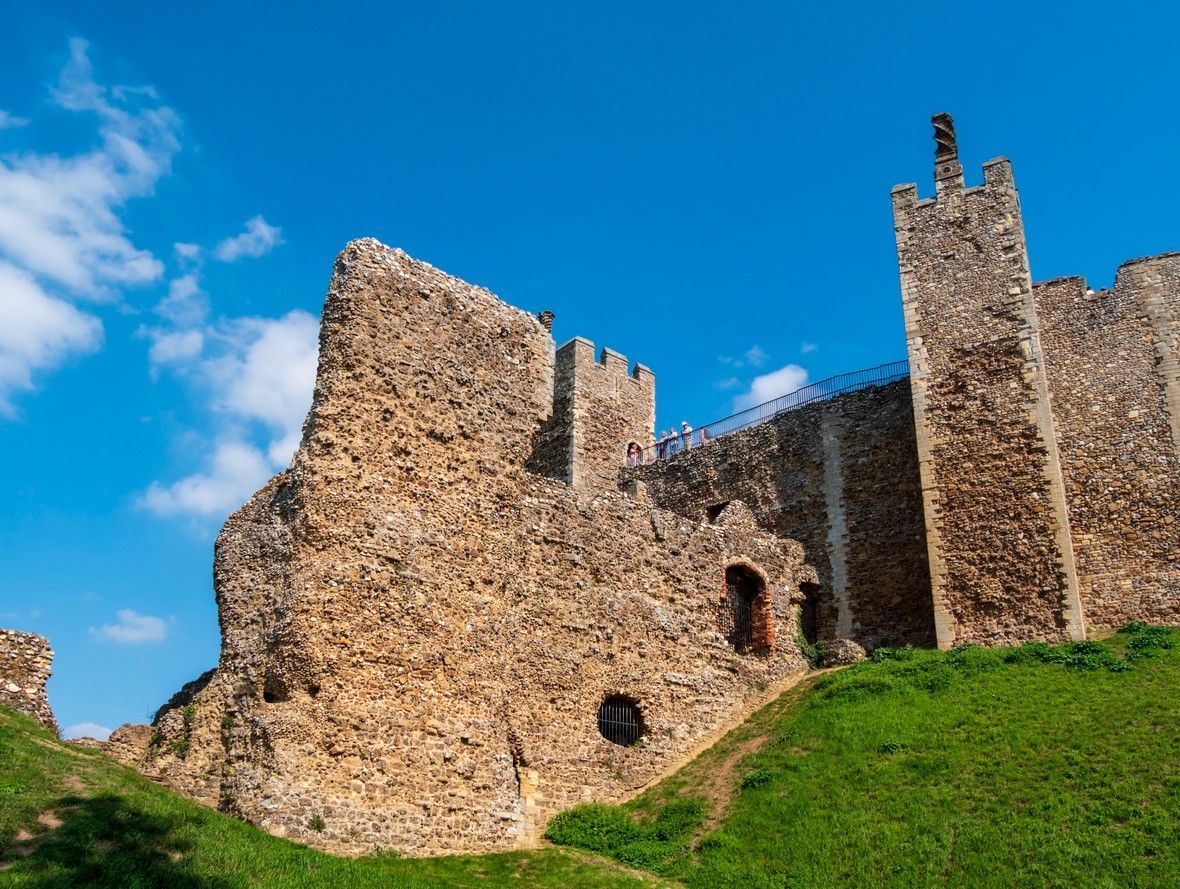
pixel 619 720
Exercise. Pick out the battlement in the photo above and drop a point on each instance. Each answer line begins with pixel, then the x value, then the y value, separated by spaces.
pixel 580 351
pixel 600 405
pixel 948 173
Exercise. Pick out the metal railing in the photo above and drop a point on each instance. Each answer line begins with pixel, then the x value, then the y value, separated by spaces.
pixel 809 394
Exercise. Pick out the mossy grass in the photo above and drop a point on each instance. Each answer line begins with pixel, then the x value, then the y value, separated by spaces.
pixel 1042 765
pixel 70 816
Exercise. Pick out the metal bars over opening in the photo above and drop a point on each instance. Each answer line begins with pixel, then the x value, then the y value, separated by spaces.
pixel 741 607
pixel 748 614
pixel 619 720
pixel 809 394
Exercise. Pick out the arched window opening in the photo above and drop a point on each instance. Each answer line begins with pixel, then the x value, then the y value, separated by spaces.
pixel 619 720
pixel 809 612
pixel 748 606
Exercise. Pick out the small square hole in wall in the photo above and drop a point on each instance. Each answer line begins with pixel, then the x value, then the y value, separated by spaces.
pixel 714 512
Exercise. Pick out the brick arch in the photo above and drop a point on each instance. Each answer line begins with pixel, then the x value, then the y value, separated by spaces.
pixel 746 618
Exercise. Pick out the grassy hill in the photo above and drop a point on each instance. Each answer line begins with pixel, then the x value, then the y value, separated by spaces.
pixel 72 817
pixel 1035 766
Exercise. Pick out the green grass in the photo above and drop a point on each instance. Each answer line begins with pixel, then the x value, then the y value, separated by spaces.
pixel 1038 766
pixel 120 830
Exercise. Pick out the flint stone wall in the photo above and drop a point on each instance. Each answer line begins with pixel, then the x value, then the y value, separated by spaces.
pixel 841 477
pixel 26 663
pixel 997 529
pixel 1111 360
pixel 417 633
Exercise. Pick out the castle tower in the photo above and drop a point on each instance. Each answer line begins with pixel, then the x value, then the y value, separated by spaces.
pixel 997 528
pixel 598 408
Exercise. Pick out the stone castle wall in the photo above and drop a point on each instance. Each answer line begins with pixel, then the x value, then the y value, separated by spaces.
pixel 26 663
pixel 840 476
pixel 598 408
pixel 418 633
pixel 421 617
pixel 1001 558
pixel 1112 370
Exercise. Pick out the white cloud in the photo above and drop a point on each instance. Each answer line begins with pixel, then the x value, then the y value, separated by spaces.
pixel 86 730
pixel 186 251
pixel 769 386
pixel 132 628
pixel 807 348
pixel 258 239
pixel 755 356
pixel 61 235
pixel 36 331
pixel 269 371
pixel 177 347
pixel 186 304
pixel 235 471
pixel 261 372
pixel 728 383
pixel 11 121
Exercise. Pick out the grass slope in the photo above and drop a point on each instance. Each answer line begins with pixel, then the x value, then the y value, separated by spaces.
pixel 73 817
pixel 1034 766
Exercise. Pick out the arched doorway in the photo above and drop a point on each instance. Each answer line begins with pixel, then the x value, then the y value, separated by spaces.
pixel 809 612
pixel 747 609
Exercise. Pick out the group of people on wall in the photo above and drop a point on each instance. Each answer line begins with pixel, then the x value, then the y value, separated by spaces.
pixel 669 443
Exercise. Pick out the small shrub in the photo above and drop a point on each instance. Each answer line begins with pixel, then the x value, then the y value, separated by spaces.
pixel 316 822
pixel 850 685
pixel 612 831
pixel 594 826
pixel 885 653
pixel 1146 641
pixel 178 747
pixel 813 652
pixel 757 778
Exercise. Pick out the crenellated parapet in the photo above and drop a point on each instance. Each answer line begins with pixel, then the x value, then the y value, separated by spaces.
pixel 600 404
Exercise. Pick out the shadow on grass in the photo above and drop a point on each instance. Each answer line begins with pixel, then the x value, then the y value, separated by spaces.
pixel 105 841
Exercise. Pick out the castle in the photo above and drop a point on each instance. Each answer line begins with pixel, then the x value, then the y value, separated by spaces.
pixel 456 613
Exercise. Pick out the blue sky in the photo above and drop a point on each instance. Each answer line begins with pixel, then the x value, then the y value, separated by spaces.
pixel 704 188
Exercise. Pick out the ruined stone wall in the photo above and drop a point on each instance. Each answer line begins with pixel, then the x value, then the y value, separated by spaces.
pixel 418 633
pixel 841 477
pixel 1001 559
pixel 26 663
pixel 1110 358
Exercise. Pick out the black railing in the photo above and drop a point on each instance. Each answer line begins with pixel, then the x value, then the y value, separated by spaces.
pixel 809 394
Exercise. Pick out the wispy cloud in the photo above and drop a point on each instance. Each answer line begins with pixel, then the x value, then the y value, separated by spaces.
pixel 11 121
pixel 258 239
pixel 86 730
pixel 62 238
pixel 235 470
pixel 755 356
pixel 727 383
pixel 768 387
pixel 132 628
pixel 806 348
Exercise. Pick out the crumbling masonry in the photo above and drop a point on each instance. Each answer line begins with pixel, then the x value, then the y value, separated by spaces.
pixel 432 619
